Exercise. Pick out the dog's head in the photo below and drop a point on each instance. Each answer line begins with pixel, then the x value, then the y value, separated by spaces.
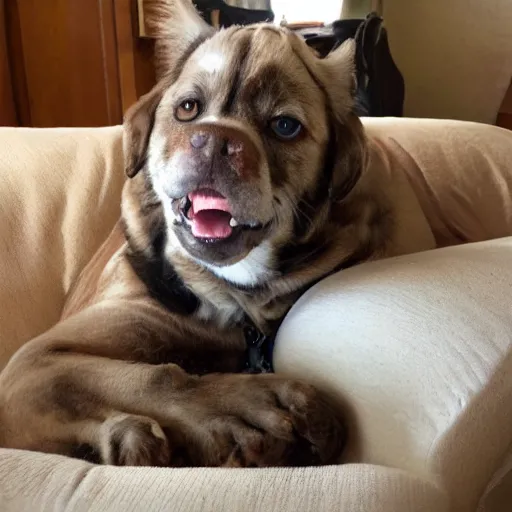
pixel 246 139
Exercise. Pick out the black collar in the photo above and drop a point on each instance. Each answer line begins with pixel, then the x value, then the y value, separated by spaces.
pixel 166 286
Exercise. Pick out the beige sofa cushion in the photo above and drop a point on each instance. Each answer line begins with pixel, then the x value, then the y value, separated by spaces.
pixel 60 196
pixel 34 482
pixel 460 172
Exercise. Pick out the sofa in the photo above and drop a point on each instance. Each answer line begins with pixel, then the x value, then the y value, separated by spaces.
pixel 417 347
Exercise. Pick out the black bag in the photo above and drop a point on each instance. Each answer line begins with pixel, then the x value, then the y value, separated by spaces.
pixel 229 15
pixel 380 85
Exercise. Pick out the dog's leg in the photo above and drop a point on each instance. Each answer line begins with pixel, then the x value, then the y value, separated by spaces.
pixel 78 384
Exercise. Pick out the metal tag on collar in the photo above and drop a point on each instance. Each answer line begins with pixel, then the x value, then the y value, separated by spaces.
pixel 256 360
pixel 253 337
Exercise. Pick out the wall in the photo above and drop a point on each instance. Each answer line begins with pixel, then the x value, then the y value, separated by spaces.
pixel 359 8
pixel 455 55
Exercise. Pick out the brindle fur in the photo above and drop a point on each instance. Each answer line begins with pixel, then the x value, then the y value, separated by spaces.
pixel 144 367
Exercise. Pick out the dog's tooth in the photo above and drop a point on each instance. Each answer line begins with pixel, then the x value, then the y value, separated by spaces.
pixel 233 223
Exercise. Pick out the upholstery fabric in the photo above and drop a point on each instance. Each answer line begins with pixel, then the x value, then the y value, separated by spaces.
pixel 59 198
pixel 417 347
pixel 420 350
pixel 33 482
pixel 461 174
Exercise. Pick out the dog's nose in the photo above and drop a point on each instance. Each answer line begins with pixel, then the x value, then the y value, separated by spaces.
pixel 198 140
pixel 222 149
pixel 224 146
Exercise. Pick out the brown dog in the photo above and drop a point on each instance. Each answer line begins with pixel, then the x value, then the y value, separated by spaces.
pixel 247 186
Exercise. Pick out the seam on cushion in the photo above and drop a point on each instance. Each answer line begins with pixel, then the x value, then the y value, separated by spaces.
pixel 429 192
pixel 439 473
pixel 77 485
pixel 109 178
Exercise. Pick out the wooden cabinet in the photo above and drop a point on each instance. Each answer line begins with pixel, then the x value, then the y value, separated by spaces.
pixel 7 109
pixel 71 62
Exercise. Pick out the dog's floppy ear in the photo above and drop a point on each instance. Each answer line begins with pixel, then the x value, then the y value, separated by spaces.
pixel 137 126
pixel 178 30
pixel 337 73
pixel 350 155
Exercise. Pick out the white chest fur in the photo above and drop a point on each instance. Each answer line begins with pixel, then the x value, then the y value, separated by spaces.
pixel 254 269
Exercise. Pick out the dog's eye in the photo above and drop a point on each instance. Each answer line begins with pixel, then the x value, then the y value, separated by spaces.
pixel 187 110
pixel 286 128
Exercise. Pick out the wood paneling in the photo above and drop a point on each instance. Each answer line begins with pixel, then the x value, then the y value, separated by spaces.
pixel 144 65
pixel 109 56
pixel 17 62
pixel 69 59
pixel 72 62
pixel 125 57
pixel 135 55
pixel 8 116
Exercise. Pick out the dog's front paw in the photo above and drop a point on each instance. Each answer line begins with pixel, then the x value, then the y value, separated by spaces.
pixel 130 440
pixel 262 420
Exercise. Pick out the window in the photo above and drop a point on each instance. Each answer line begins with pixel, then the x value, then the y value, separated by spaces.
pixel 307 10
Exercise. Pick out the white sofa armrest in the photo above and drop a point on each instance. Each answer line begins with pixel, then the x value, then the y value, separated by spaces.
pixel 420 347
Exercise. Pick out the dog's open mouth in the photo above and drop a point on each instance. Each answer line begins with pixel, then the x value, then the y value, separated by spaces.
pixel 210 216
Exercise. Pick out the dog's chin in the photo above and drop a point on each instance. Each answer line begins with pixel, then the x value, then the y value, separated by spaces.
pixel 220 252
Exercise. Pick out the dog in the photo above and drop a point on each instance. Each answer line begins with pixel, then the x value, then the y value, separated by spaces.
pixel 246 185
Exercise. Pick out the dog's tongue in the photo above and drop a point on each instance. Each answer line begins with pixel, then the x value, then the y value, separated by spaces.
pixel 210 215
